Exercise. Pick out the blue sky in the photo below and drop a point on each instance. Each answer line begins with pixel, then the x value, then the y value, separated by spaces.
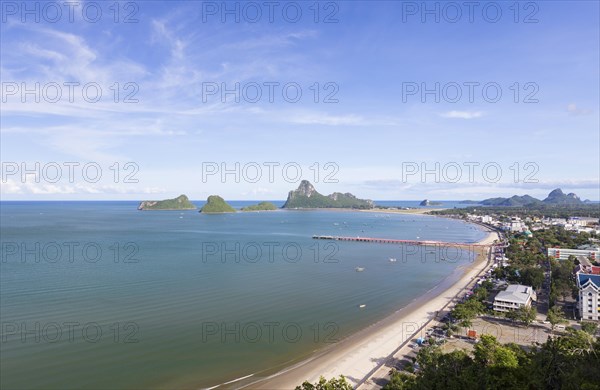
pixel 371 133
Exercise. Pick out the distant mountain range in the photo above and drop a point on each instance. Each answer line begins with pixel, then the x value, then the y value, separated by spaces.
pixel 556 197
pixel 306 196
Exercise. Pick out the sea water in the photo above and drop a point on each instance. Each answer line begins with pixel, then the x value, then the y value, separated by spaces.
pixel 99 295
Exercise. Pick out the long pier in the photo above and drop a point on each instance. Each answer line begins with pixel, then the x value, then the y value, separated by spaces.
pixel 393 241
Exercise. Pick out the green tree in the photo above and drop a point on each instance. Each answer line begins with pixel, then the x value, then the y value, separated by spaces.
pixel 589 327
pixel 567 362
pixel 489 352
pixel 400 381
pixel 465 312
pixel 555 316
pixel 453 370
pixel 532 276
pixel 526 314
pixel 323 384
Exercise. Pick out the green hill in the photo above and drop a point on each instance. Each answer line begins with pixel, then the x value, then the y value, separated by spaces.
pixel 556 197
pixel 180 203
pixel 514 200
pixel 216 204
pixel 307 197
pixel 262 206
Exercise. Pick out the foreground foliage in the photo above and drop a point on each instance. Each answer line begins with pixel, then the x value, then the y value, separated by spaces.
pixel 567 362
pixel 324 384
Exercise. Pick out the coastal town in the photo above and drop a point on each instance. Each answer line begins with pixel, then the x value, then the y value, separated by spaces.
pixel 510 304
pixel 299 195
pixel 540 284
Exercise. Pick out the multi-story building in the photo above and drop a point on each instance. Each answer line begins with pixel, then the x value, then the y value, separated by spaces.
pixel 563 253
pixel 582 221
pixel 589 296
pixel 514 297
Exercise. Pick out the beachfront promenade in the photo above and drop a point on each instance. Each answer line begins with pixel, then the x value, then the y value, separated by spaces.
pixel 395 241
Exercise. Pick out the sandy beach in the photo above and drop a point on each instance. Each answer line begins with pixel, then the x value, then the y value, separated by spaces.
pixel 362 355
pixel 401 211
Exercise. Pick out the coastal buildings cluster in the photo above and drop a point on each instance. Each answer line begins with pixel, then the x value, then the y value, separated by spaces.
pixel 586 257
pixel 518 224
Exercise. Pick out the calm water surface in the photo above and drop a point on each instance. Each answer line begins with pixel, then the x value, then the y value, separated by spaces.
pixel 98 295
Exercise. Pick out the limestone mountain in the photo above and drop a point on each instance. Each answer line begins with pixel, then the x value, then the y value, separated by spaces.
pixel 557 196
pixel 306 196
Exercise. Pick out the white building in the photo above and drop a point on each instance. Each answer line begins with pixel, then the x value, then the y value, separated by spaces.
pixel 589 296
pixel 514 226
pixel 583 221
pixel 514 297
pixel 563 254
pixel 486 219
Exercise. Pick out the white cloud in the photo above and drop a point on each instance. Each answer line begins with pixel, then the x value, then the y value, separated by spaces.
pixel 463 114
pixel 573 110
pixel 330 120
pixel 12 187
pixel 258 191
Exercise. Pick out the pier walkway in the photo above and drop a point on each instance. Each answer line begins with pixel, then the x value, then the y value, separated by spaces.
pixel 394 241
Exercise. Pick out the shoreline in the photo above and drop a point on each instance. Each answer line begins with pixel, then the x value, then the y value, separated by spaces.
pixel 415 211
pixel 364 354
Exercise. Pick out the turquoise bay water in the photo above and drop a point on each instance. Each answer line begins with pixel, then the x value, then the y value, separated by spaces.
pixel 98 295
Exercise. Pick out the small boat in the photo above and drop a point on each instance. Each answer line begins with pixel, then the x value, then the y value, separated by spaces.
pixel 393 260
pixel 362 306
pixel 359 269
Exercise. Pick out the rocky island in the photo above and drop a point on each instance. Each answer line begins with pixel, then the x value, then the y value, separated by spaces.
pixel 262 206
pixel 428 202
pixel 180 203
pixel 216 204
pixel 306 196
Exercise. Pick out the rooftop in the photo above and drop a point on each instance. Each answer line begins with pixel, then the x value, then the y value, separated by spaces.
pixel 515 293
pixel 588 269
pixel 583 279
pixel 584 261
